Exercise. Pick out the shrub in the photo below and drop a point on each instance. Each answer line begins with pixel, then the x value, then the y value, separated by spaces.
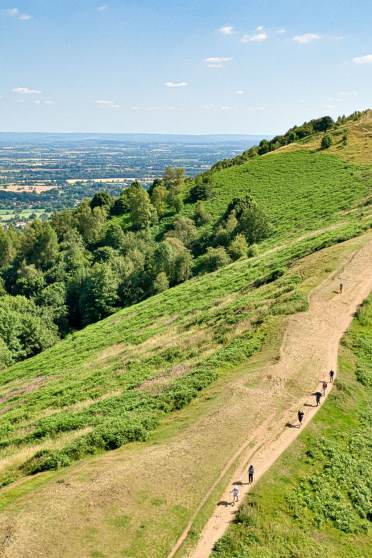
pixel 238 247
pixel 214 259
pixel 326 141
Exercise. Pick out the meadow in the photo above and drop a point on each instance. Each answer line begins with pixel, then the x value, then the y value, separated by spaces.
pixel 316 500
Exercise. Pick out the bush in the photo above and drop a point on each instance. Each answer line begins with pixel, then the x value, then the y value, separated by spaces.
pixel 214 259
pixel 326 141
pixel 238 247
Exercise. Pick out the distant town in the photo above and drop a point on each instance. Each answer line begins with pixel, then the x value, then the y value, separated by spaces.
pixel 41 173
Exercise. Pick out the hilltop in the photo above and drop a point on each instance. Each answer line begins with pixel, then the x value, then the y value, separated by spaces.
pixel 151 376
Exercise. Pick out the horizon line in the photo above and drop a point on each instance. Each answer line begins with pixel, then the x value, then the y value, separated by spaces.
pixel 143 133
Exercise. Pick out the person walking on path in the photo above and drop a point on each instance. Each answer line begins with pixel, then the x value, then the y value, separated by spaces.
pixel 318 396
pixel 341 287
pixel 300 415
pixel 331 376
pixel 235 492
pixel 324 386
pixel 250 474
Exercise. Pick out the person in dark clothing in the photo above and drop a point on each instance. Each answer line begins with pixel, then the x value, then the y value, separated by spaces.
pixel 341 288
pixel 250 474
pixel 331 375
pixel 318 396
pixel 300 415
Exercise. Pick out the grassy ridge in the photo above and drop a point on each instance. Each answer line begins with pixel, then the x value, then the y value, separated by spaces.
pixel 300 190
pixel 316 500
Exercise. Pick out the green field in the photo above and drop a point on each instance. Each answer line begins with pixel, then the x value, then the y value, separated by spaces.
pixel 7 215
pixel 316 500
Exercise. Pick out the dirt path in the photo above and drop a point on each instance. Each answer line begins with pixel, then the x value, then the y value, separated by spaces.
pixel 132 501
pixel 309 350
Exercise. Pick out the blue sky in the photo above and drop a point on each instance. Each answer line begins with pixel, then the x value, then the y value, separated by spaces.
pixel 181 66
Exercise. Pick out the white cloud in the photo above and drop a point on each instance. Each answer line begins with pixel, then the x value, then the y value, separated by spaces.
pixel 366 59
pixel 227 30
pixel 102 8
pixel 49 102
pixel 107 104
pixel 26 91
pixel 259 28
pixel 240 92
pixel 281 31
pixel 217 108
pixel 306 38
pixel 15 12
pixel 217 61
pixel 258 38
pixel 173 84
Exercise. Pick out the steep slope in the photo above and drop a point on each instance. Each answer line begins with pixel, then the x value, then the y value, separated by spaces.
pixel 129 377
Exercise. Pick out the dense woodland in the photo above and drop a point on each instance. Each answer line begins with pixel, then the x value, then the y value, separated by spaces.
pixel 111 252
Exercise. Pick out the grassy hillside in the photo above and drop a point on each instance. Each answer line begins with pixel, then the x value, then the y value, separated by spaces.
pixel 300 191
pixel 113 382
pixel 316 500
pixel 147 370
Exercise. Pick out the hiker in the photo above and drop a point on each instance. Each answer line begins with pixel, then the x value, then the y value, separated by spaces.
pixel 318 395
pixel 235 492
pixel 331 376
pixel 341 287
pixel 324 386
pixel 250 474
pixel 300 415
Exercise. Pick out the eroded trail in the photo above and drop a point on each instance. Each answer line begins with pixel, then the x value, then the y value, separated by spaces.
pixel 309 350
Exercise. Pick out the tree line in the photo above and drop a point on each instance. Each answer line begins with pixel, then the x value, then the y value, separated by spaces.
pixel 295 133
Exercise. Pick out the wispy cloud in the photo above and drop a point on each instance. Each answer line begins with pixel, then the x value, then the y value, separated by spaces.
pixel 260 28
pixel 227 30
pixel 217 108
pixel 240 92
pixel 102 8
pixel 26 91
pixel 104 103
pixel 173 84
pixel 160 108
pixel 217 61
pixel 280 31
pixel 257 38
pixel 366 59
pixel 16 13
pixel 306 38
